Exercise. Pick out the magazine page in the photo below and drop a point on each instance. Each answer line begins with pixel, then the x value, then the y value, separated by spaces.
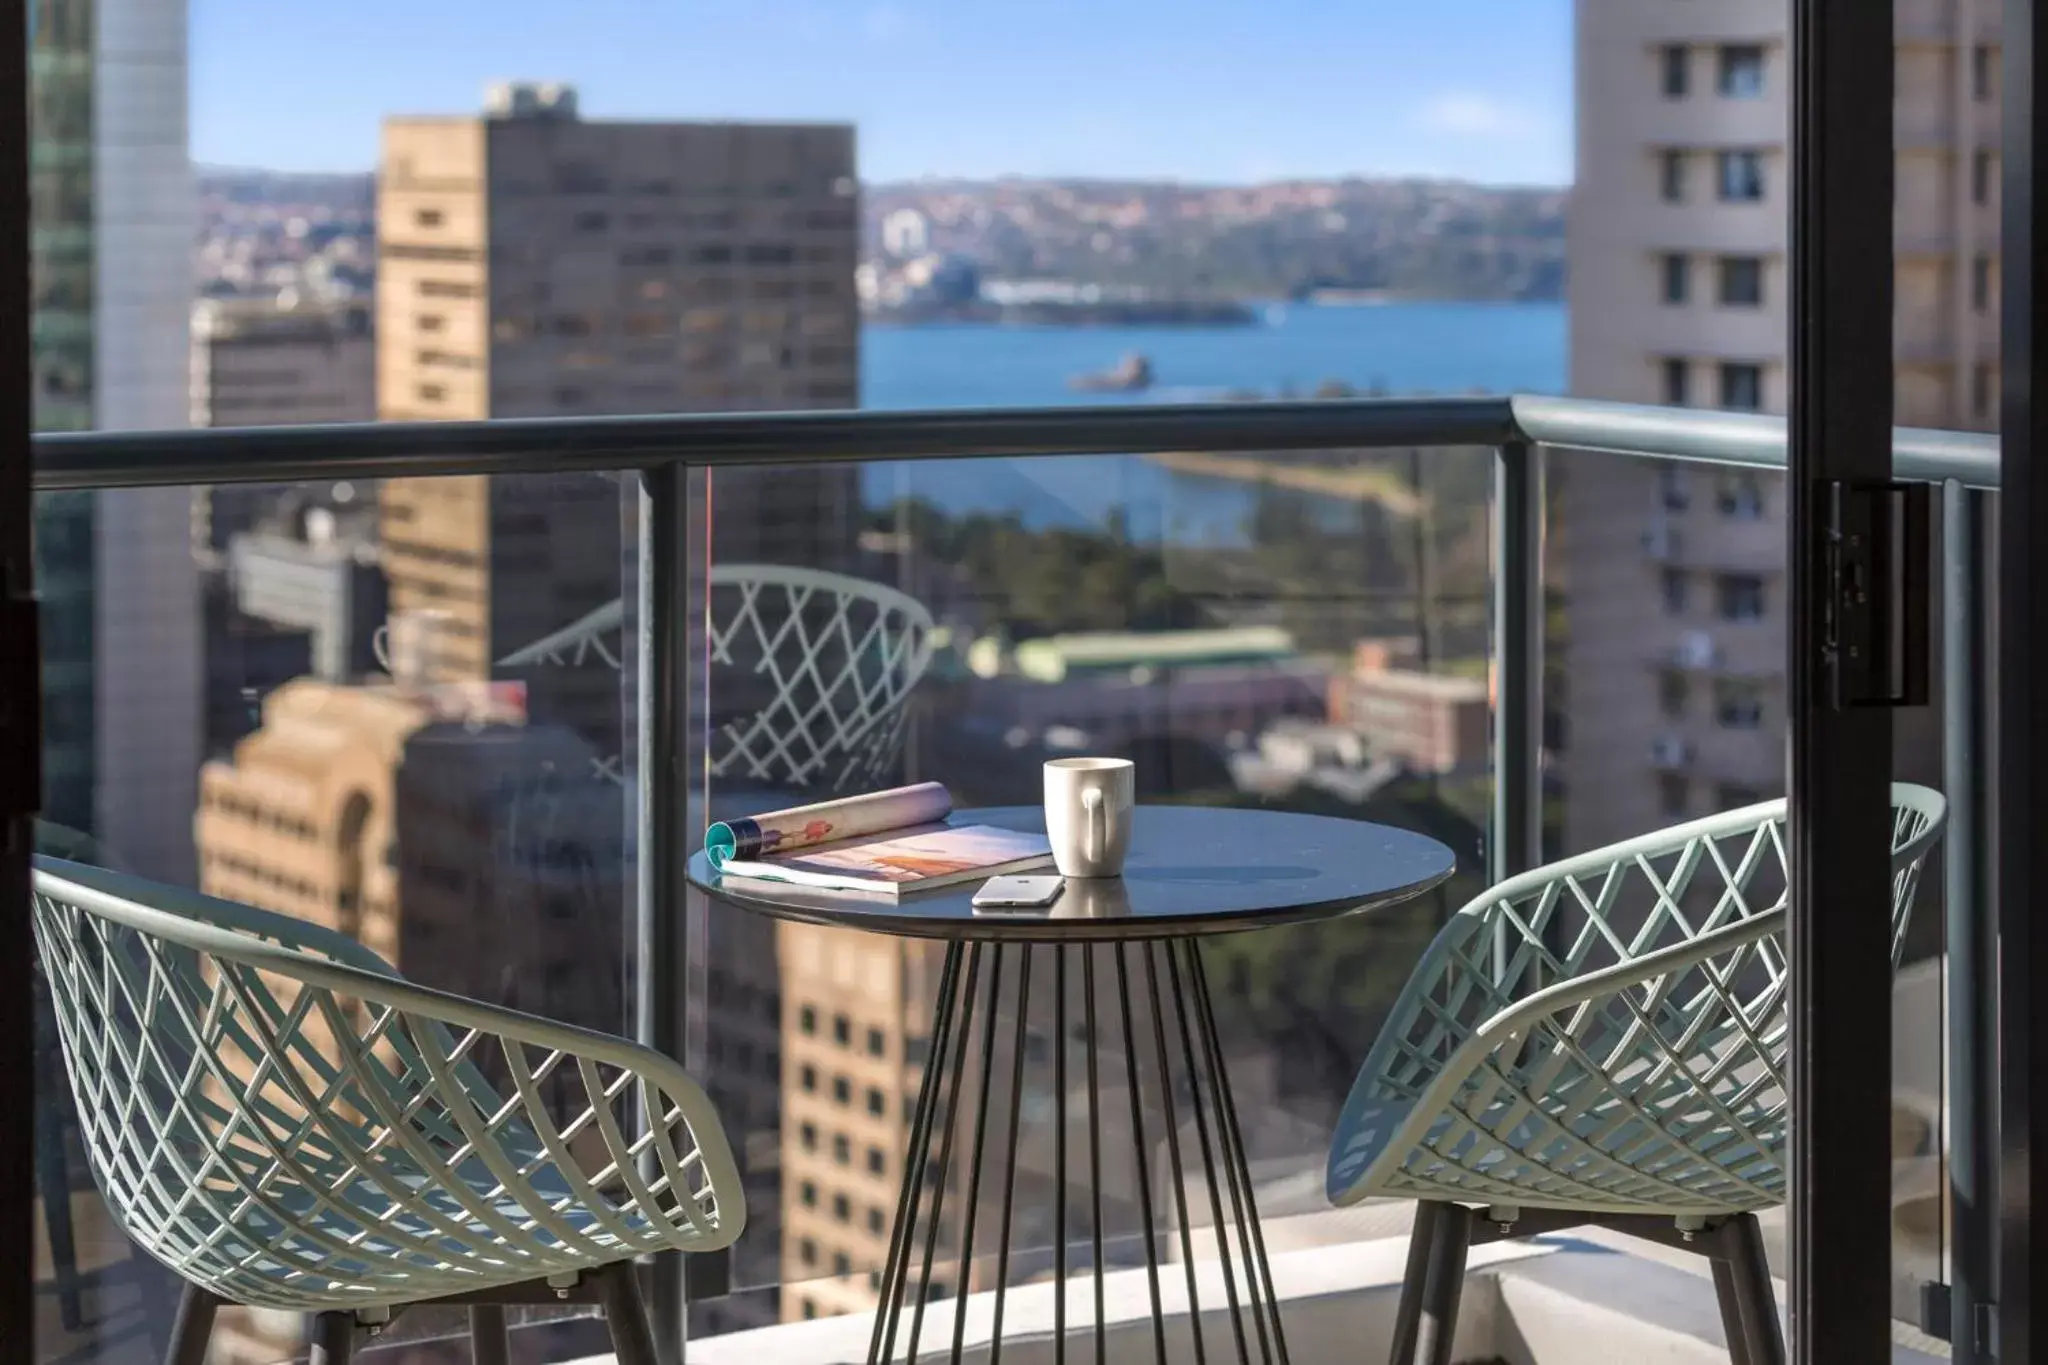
pixel 779 832
pixel 923 856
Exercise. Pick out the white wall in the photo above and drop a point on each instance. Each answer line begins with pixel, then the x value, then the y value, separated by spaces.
pixel 149 637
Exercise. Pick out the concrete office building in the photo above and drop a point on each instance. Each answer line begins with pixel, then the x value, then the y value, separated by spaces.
pixel 111 225
pixel 1675 578
pixel 256 362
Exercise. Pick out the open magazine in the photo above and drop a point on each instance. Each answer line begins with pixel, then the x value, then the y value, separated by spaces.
pixel 885 842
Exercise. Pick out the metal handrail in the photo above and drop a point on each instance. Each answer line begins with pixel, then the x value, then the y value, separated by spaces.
pixel 100 460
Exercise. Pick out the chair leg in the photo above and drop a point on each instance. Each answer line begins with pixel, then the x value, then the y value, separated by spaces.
pixel 489 1341
pixel 192 1329
pixel 54 1185
pixel 1750 1278
pixel 1408 1316
pixel 625 1313
pixel 1730 1300
pixel 1427 1318
pixel 334 1339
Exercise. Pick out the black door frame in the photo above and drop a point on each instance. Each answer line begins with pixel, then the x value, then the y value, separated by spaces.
pixel 1839 429
pixel 20 725
pixel 2023 726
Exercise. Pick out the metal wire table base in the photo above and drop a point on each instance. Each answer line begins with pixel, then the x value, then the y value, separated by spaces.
pixel 968 1135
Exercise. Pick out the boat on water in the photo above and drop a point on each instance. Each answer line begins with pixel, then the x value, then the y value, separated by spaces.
pixel 1132 374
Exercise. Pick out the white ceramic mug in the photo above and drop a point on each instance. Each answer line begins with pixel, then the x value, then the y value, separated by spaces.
pixel 1088 804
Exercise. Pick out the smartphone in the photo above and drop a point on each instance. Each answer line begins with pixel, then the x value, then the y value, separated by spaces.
pixel 1018 893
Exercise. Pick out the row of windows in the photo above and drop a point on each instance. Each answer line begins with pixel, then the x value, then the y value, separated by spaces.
pixel 1741 386
pixel 1739 280
pixel 842 1090
pixel 842 1149
pixel 1739 71
pixel 1738 174
pixel 1738 495
pixel 692 321
pixel 1737 596
pixel 1738 702
pixel 259 815
pixel 842 1031
pixel 842 1208
pixel 256 872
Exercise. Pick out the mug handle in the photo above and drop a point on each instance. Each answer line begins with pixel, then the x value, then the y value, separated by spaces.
pixel 1098 824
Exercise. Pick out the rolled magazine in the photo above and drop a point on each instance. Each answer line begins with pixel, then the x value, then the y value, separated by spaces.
pixel 886 842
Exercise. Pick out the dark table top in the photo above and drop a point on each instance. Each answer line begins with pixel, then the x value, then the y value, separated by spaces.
pixel 1192 870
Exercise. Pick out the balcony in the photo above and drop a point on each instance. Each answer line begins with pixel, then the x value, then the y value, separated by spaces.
pixel 626 647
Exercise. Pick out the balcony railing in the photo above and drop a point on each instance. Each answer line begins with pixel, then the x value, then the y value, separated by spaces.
pixel 1521 431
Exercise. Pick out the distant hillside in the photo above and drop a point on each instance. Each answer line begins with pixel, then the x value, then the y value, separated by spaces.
pixel 346 192
pixel 1406 238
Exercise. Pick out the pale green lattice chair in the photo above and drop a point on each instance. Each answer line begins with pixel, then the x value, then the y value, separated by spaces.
pixel 277 1116
pixel 1602 1040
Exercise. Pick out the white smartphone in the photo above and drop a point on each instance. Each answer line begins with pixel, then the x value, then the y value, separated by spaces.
pixel 1018 893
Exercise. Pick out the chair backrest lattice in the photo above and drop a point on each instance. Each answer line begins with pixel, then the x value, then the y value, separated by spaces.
pixel 276 1115
pixel 1607 1033
pixel 810 673
pixel 811 676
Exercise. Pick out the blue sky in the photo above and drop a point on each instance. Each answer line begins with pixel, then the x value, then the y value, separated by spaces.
pixel 1222 90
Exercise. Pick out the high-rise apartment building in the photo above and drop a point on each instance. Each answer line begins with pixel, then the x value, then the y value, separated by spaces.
pixel 257 363
pixel 534 263
pixel 1675 577
pixel 111 209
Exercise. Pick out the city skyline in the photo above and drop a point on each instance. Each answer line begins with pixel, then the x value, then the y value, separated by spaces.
pixel 1300 88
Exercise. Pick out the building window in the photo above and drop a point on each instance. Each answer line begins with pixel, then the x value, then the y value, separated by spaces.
pixel 877 1221
pixel 1677 382
pixel 842 1209
pixel 808 1193
pixel 1742 386
pixel 1742 497
pixel 426 218
pixel 1671 175
pixel 878 1163
pixel 1981 64
pixel 1738 704
pixel 1742 71
pixel 1675 586
pixel 807 1019
pixel 808 1135
pixel 1677 66
pixel 429 322
pixel 1741 597
pixel 842 1029
pixel 1741 176
pixel 842 1150
pixel 1677 275
pixel 1672 690
pixel 432 393
pixel 841 1264
pixel 1980 176
pixel 1980 283
pixel 1980 390
pixel 807 1252
pixel 842 1090
pixel 592 220
pixel 1672 793
pixel 878 1103
pixel 1742 282
pixel 1674 488
pixel 877 1044
pixel 810 1307
pixel 808 1079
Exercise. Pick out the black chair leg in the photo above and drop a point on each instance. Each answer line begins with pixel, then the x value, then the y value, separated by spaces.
pixel 625 1313
pixel 192 1329
pixel 1749 1277
pixel 1730 1299
pixel 334 1339
pixel 489 1341
pixel 53 1183
pixel 1427 1318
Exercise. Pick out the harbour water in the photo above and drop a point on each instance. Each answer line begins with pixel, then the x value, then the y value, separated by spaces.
pixel 1401 348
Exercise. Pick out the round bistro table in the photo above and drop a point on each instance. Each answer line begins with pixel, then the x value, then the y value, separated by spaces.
pixel 1192 871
